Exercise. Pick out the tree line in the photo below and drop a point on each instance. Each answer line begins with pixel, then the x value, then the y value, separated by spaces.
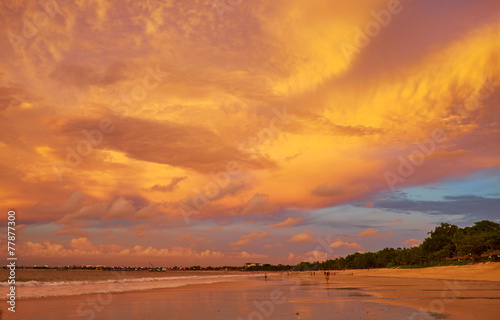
pixel 446 244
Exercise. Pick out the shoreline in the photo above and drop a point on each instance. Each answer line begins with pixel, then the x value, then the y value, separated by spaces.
pixel 215 286
pixel 115 286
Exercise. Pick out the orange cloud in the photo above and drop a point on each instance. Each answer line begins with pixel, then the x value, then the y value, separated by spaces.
pixel 185 237
pixel 325 190
pixel 245 239
pixel 315 255
pixel 240 242
pixel 259 203
pixel 255 235
pixel 412 242
pixel 82 248
pixel 370 232
pixel 273 245
pixel 82 244
pixel 287 223
pixel 344 244
pixel 168 187
pixel 302 237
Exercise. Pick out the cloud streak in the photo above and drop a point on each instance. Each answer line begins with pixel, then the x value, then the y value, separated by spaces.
pixel 289 222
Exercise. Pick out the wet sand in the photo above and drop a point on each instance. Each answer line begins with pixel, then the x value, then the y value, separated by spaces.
pixel 272 299
pixel 430 293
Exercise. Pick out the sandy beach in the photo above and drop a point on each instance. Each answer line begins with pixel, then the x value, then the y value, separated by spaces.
pixel 481 271
pixel 465 292
pixel 451 292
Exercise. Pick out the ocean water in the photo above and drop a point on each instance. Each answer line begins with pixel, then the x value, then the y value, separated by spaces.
pixel 38 283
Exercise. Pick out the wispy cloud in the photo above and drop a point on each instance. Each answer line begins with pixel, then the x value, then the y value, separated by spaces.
pixel 287 223
pixel 168 187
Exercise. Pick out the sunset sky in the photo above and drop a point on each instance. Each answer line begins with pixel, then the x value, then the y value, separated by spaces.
pixel 221 132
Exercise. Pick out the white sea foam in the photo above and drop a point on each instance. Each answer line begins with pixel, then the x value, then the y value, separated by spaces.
pixel 148 279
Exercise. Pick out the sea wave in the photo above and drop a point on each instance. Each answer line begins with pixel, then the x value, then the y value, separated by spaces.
pixel 40 289
pixel 128 280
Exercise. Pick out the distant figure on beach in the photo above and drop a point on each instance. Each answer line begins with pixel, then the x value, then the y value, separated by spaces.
pixel 265 277
pixel 327 276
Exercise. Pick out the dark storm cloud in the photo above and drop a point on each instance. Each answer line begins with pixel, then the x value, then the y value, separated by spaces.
pixel 472 206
